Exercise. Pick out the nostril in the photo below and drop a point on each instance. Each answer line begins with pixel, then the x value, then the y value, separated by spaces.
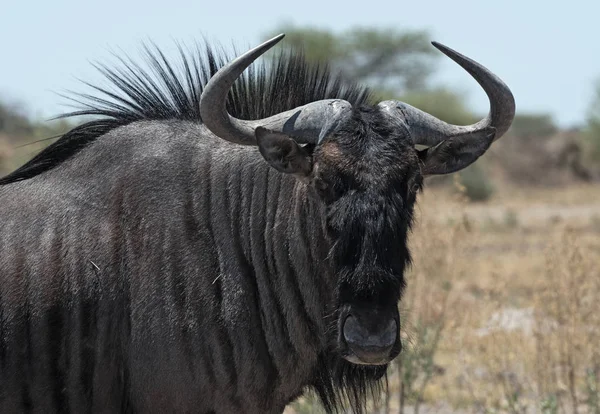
pixel 388 337
pixel 352 330
pixel 357 335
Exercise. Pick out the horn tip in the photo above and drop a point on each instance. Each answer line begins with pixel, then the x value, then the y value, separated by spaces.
pixel 440 46
pixel 271 42
pixel 278 37
pixel 451 53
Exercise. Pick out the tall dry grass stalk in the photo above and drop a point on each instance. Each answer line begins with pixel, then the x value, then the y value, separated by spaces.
pixel 568 334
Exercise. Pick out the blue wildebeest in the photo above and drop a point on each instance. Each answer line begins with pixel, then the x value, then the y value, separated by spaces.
pixel 213 246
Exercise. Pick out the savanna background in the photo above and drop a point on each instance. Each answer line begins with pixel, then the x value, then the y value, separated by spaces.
pixel 502 310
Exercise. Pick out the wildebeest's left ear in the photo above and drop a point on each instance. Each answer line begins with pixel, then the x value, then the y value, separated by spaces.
pixel 456 153
pixel 282 152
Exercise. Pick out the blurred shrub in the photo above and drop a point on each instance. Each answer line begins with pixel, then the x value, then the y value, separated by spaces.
pixel 440 102
pixel 591 142
pixel 5 155
pixel 533 126
pixel 591 136
pixel 13 121
pixel 22 137
pixel 475 183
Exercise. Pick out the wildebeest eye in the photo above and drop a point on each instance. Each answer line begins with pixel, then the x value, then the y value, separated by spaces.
pixel 322 188
pixel 326 191
pixel 321 185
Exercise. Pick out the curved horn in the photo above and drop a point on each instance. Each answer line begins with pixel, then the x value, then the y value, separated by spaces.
pixel 307 124
pixel 429 130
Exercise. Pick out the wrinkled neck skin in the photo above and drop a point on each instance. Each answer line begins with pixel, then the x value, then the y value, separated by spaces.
pixel 275 281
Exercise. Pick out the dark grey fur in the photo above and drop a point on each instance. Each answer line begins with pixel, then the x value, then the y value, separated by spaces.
pixel 171 274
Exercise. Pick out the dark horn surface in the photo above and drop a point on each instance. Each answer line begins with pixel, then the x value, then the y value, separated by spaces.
pixel 213 99
pixel 429 130
pixel 502 101
pixel 306 124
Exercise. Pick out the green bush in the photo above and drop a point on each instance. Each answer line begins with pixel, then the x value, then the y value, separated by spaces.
pixel 533 125
pixel 591 142
pixel 475 183
pixel 442 103
pixel 591 134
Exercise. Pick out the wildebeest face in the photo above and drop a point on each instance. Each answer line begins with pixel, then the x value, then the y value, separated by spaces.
pixel 363 166
pixel 367 176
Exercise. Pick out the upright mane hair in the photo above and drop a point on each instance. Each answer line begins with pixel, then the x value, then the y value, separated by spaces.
pixel 166 90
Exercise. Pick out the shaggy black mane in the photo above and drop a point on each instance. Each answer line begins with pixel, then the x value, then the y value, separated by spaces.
pixel 165 90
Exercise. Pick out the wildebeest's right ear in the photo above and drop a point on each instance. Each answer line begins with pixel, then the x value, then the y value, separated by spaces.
pixel 282 152
pixel 457 152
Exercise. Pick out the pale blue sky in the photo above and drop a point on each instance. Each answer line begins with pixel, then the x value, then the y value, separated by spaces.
pixel 547 51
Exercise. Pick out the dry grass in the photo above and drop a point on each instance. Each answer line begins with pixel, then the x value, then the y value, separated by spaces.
pixel 6 153
pixel 521 321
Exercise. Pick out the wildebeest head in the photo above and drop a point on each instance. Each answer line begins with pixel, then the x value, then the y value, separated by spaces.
pixel 363 165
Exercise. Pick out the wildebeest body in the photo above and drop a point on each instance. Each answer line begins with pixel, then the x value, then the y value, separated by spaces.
pixel 150 263
pixel 156 269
